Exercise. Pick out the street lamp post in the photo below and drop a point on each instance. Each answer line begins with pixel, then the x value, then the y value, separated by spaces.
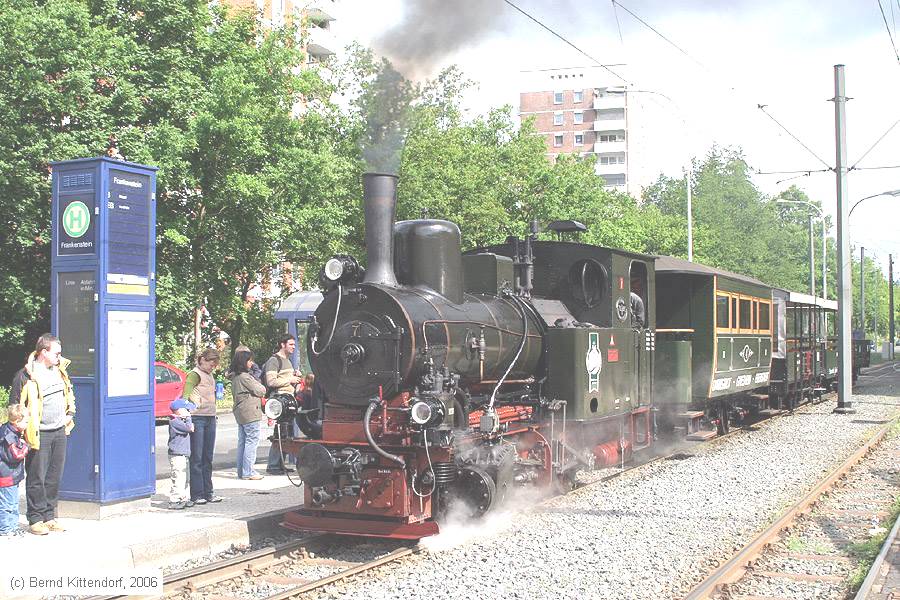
pixel 824 263
pixel 894 193
pixel 689 170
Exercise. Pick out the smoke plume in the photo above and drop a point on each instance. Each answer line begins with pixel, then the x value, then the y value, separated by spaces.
pixel 430 31
pixel 433 29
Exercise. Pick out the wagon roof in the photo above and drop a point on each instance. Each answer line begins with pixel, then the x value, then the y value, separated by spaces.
pixel 670 264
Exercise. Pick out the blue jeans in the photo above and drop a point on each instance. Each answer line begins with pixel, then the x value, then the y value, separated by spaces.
pixel 9 509
pixel 203 443
pixel 248 440
pixel 276 461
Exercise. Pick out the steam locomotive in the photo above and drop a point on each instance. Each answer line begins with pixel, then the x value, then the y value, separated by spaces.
pixel 451 379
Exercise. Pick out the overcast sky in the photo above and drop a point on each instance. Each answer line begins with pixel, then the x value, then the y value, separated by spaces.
pixel 731 56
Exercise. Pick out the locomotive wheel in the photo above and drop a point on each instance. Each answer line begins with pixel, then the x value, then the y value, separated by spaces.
pixel 723 418
pixel 475 490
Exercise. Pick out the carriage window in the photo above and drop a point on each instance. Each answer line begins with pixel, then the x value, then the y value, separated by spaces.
pixel 745 320
pixel 722 312
pixel 734 312
pixel 764 316
pixel 587 281
pixel 804 321
pixel 829 323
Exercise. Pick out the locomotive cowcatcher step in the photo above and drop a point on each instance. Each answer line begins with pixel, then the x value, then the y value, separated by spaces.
pixel 702 436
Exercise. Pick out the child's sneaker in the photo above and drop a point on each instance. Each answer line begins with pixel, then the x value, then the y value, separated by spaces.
pixel 176 506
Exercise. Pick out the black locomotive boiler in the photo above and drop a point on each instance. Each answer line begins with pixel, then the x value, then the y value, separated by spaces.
pixel 451 379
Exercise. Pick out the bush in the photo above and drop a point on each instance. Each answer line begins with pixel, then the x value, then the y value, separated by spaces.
pixel 4 402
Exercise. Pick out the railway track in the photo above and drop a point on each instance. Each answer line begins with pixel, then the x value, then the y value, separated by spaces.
pixel 298 567
pixel 812 550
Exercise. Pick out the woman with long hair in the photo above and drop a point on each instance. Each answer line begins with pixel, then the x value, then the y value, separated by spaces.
pixel 248 394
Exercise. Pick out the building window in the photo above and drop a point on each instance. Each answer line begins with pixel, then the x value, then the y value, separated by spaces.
pixel 613 137
pixel 557 118
pixel 612 160
pixel 579 139
pixel 577 96
pixel 557 140
pixel 617 179
pixel 579 117
pixel 557 97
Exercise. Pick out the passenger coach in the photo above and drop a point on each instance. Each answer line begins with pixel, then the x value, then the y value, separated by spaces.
pixel 714 332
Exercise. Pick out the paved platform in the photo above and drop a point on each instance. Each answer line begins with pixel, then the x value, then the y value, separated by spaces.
pixel 160 537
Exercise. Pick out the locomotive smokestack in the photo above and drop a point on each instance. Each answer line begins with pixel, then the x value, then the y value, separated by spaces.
pixel 380 205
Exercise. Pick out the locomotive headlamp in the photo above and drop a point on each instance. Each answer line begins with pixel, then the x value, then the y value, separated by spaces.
pixel 427 412
pixel 281 407
pixel 334 268
pixel 341 269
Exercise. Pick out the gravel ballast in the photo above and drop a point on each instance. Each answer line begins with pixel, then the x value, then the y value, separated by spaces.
pixel 651 533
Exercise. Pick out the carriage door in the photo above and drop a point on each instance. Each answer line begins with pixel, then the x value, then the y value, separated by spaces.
pixel 643 336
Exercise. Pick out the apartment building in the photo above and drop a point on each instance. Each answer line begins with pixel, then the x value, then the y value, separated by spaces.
pixel 577 113
pixel 314 15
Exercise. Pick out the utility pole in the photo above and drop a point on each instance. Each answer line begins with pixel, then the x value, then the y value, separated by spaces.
pixel 812 259
pixel 862 293
pixel 891 303
pixel 690 215
pixel 844 297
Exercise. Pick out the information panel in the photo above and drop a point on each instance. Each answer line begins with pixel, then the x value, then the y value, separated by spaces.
pixel 129 233
pixel 75 315
pixel 128 353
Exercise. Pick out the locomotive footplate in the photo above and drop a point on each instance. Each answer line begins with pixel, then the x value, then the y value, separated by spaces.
pixel 310 520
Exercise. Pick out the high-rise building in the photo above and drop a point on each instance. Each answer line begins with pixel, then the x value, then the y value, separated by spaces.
pixel 577 113
pixel 313 16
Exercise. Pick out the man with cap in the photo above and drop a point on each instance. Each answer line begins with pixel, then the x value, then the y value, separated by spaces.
pixel 180 429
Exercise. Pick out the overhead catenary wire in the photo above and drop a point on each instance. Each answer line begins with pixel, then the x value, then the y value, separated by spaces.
pixel 762 107
pixel 888 28
pixel 872 147
pixel 561 37
pixel 670 42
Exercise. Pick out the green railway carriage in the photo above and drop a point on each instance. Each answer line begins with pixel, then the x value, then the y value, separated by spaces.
pixel 714 344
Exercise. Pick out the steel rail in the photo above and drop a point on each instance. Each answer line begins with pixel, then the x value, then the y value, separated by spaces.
pixel 222 570
pixel 355 570
pixel 735 567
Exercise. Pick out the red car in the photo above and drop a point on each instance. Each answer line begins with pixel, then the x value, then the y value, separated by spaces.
pixel 169 385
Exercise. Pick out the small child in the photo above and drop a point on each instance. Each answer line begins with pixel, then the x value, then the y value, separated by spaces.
pixel 13 449
pixel 180 429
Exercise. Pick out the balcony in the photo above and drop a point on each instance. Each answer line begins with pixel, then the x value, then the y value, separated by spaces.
pixel 609 124
pixel 612 101
pixel 608 169
pixel 316 13
pixel 320 43
pixel 610 147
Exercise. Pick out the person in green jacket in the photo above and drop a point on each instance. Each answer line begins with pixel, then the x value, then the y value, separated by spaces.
pixel 248 394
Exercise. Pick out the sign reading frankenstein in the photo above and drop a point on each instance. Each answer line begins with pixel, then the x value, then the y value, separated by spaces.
pixel 76 215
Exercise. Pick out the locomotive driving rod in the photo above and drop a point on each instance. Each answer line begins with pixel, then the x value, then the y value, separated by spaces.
pixel 372 406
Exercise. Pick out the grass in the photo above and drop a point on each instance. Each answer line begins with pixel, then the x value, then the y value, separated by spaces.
pixel 866 552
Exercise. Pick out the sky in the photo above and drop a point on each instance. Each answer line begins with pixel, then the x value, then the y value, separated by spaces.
pixel 703 83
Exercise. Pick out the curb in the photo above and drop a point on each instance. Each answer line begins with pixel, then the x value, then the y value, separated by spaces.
pixel 199 542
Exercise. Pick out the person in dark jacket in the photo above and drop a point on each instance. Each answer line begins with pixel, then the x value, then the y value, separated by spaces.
pixel 180 429
pixel 13 449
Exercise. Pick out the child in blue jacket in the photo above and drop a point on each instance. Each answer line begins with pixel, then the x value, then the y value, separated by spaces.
pixel 13 449
pixel 180 428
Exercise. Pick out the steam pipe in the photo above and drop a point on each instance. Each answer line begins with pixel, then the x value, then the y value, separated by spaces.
pixel 366 420
pixel 380 206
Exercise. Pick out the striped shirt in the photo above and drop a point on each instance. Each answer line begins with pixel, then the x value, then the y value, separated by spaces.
pixel 50 382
